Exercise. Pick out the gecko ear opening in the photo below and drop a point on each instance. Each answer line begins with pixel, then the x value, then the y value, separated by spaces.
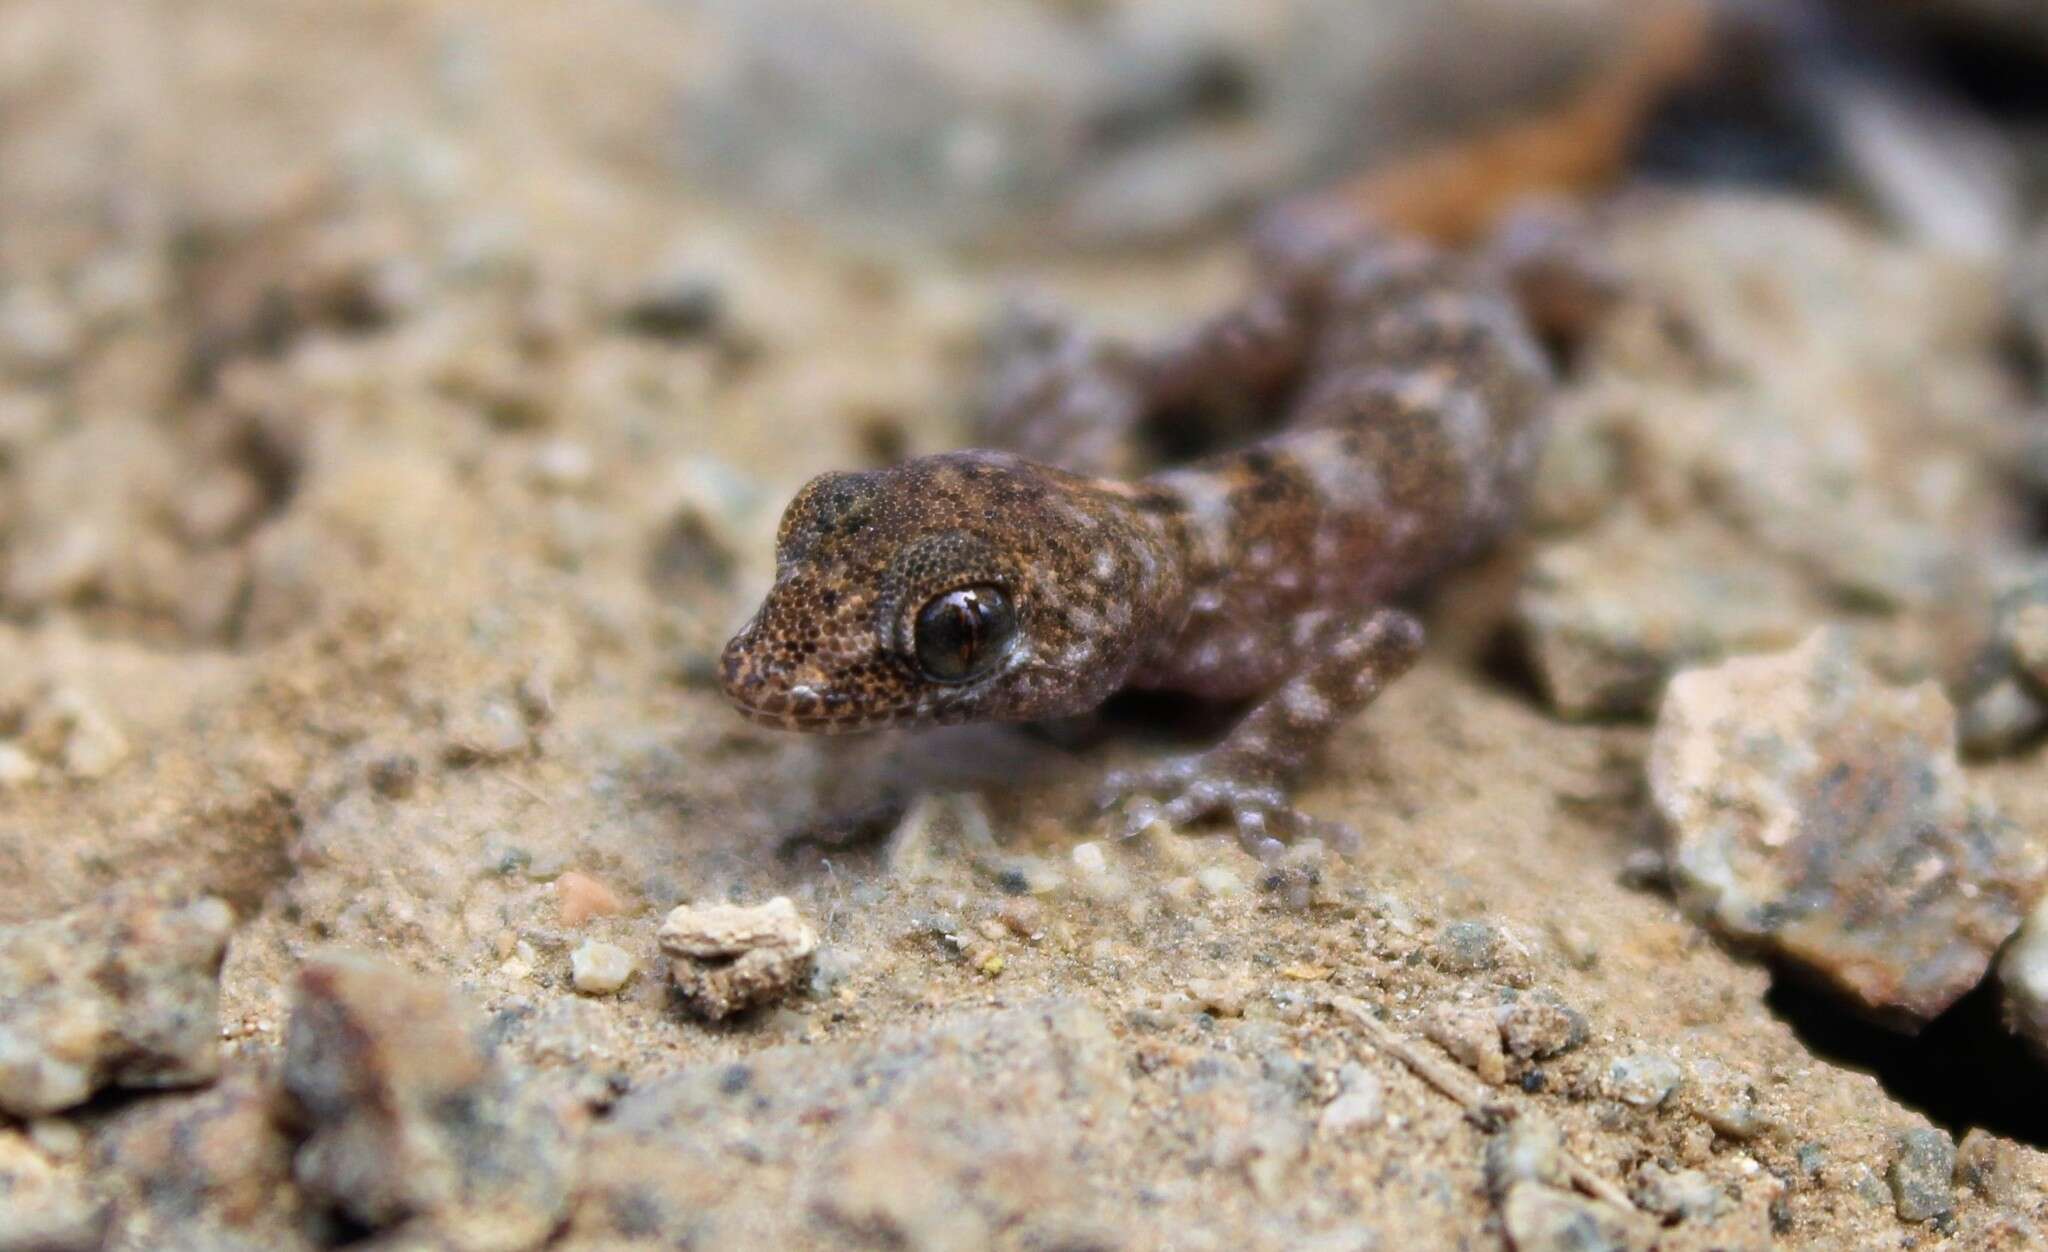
pixel 963 634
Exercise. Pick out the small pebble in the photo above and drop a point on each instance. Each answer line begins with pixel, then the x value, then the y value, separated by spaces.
pixel 581 897
pixel 1467 948
pixel 1644 1080
pixel 1922 1175
pixel 724 958
pixel 1219 881
pixel 1221 997
pixel 1529 1149
pixel 598 968
pixel 1724 1100
pixel 1470 1034
pixel 1088 858
pixel 1686 1195
pixel 1535 1027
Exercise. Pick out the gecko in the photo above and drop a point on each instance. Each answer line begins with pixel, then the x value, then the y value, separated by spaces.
pixel 1396 397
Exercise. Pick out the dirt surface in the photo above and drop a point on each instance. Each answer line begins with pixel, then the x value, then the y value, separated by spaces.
pixel 389 439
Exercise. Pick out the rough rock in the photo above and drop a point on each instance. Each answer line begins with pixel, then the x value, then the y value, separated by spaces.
pixel 1922 1175
pixel 2010 1175
pixel 1723 1099
pixel 934 1138
pixel 728 957
pixel 411 1121
pixel 1822 815
pixel 1538 1025
pixel 123 992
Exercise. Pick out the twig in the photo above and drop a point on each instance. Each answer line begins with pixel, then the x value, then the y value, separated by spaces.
pixel 1466 1092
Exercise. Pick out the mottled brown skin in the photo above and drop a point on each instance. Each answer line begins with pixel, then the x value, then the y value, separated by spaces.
pixel 1411 396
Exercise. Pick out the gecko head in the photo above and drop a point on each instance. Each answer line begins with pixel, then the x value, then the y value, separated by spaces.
pixel 910 595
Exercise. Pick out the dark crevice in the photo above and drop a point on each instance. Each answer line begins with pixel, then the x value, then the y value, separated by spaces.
pixel 1964 1070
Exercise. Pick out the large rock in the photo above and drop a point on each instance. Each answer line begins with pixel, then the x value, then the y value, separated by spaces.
pixel 412 1122
pixel 1822 815
pixel 124 992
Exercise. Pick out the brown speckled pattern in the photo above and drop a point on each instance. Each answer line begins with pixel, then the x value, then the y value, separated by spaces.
pixel 1414 397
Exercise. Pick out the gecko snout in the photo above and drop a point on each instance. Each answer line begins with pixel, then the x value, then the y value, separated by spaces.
pixel 787 692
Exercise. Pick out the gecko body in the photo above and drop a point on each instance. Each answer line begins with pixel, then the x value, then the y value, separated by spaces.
pixel 1034 583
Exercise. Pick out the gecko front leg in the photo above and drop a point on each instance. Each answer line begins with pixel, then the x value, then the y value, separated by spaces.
pixel 1346 660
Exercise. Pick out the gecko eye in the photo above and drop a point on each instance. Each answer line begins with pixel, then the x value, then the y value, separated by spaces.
pixel 962 634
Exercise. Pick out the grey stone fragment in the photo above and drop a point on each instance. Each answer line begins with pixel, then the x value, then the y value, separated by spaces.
pixel 1467 947
pixel 123 992
pixel 1822 815
pixel 1645 1079
pixel 1922 1175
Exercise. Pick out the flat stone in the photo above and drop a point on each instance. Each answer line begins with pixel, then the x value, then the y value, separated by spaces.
pixel 1823 816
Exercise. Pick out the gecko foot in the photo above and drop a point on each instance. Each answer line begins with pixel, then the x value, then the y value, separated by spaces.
pixel 1187 789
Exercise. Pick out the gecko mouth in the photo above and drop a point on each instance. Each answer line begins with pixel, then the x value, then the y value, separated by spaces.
pixel 770 700
pixel 816 723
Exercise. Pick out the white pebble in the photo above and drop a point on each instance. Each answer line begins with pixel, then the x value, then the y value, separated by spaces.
pixel 1220 881
pixel 598 968
pixel 1088 858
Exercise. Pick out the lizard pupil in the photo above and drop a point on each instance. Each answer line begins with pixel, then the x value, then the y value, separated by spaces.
pixel 962 634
